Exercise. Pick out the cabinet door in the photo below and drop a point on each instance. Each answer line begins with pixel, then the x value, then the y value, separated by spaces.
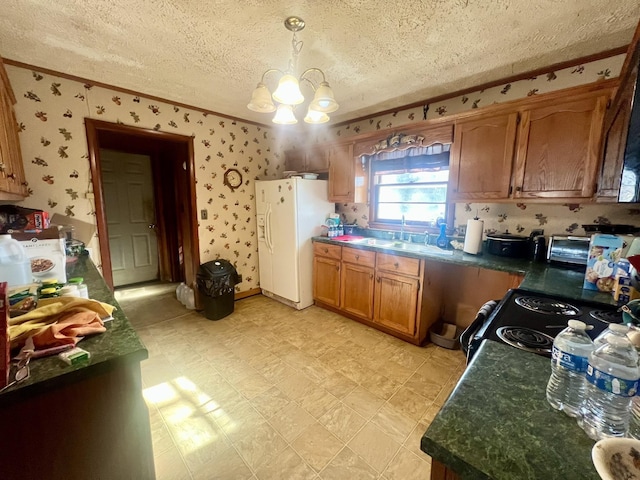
pixel 341 173
pixel 294 160
pixel 316 160
pixel 357 290
pixel 15 168
pixel 326 280
pixel 558 149
pixel 396 302
pixel 12 177
pixel 617 128
pixel 481 158
pixel 5 149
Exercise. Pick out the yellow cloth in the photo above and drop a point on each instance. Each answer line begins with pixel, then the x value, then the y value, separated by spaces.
pixel 49 311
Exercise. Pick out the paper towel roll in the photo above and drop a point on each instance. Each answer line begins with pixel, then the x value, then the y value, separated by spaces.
pixel 473 237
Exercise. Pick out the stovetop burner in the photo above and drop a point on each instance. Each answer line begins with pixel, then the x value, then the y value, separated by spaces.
pixel 526 339
pixel 606 316
pixel 547 306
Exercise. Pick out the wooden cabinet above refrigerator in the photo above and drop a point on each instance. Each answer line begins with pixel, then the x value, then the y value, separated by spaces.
pixel 13 185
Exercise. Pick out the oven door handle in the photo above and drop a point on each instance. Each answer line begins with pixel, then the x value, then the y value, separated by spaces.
pixel 469 333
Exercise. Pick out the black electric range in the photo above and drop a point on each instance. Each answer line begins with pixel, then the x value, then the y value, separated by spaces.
pixel 530 321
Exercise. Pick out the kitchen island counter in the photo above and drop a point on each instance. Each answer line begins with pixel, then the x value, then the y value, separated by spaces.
pixel 538 276
pixel 84 421
pixel 498 425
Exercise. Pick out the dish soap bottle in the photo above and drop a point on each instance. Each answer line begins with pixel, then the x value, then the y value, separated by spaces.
pixel 442 240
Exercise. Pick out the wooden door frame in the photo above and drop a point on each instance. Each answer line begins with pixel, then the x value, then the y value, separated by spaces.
pixel 187 220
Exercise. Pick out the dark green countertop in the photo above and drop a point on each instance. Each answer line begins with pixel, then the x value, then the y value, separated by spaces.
pixel 498 425
pixel 117 346
pixel 538 276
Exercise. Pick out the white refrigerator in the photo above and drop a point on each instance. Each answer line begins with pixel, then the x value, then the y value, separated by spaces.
pixel 289 213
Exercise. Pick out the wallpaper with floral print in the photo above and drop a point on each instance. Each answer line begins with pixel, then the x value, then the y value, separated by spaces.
pixel 499 217
pixel 50 112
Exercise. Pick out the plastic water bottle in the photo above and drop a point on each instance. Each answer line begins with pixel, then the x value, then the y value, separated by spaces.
pixel 569 360
pixel 180 292
pixel 15 266
pixel 617 329
pixel 612 381
pixel 634 420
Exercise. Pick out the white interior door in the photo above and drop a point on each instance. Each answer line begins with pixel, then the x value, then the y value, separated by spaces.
pixel 129 203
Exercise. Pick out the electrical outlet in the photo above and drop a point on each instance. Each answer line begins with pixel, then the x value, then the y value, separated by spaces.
pixel 462 229
pixel 203 214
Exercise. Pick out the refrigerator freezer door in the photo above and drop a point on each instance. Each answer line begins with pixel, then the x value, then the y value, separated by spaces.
pixel 289 213
pixel 281 227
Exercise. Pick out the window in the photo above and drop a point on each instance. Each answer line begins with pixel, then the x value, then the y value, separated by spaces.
pixel 410 183
pixel 420 196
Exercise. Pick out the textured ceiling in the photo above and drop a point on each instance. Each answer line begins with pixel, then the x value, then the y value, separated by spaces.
pixel 376 54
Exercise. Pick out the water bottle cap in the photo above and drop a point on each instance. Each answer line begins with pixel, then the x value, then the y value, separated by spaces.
pixel 577 325
pixel 619 328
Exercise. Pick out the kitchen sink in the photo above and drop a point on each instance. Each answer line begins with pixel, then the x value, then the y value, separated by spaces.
pixel 376 242
pixel 420 248
pixel 403 246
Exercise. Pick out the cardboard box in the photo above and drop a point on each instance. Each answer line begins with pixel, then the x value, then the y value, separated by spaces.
pixel 20 218
pixel 623 290
pixel 605 251
pixel 46 250
pixel 82 231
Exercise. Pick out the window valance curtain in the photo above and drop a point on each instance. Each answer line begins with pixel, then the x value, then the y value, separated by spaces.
pixel 433 157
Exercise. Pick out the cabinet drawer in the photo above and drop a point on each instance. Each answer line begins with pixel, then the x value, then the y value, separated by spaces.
pixel 327 250
pixel 358 257
pixel 395 264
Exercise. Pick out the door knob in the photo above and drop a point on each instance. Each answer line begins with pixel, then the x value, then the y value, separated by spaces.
pixel 152 225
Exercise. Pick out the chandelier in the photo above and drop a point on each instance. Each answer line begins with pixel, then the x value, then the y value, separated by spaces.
pixel 288 95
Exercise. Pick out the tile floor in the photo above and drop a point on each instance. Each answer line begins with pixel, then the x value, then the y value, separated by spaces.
pixel 274 393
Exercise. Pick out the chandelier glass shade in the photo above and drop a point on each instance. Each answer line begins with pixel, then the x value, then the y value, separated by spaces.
pixel 288 95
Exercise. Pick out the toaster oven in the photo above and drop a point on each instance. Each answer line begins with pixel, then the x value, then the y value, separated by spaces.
pixel 568 250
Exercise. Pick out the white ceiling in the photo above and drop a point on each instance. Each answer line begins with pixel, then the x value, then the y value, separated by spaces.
pixel 376 54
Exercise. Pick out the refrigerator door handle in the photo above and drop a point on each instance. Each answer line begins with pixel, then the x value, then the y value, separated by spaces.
pixel 267 228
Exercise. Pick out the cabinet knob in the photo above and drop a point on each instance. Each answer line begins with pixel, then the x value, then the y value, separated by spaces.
pixel 1 167
pixel 337 268
pixel 370 276
pixel 518 189
pixel 12 176
pixel 25 184
pixel 396 265
pixel 325 250
pixel 378 279
pixel 357 257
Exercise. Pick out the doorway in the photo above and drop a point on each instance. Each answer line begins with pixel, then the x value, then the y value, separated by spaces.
pixel 164 229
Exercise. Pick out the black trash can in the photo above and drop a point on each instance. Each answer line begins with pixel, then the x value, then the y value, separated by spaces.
pixel 216 281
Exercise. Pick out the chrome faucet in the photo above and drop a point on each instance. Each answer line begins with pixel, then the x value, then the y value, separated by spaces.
pixel 402 230
pixel 426 237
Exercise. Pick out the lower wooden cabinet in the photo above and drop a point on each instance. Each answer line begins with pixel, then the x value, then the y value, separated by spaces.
pixel 356 294
pixel 381 290
pixel 396 302
pixel 402 296
pixel 326 273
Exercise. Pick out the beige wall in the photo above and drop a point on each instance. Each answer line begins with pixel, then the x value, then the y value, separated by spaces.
pixel 51 111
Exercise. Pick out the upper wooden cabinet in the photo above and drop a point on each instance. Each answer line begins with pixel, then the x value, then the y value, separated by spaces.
pixel 481 157
pixel 311 159
pixel 616 125
pixel 13 185
pixel 559 148
pixel 543 148
pixel 342 166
